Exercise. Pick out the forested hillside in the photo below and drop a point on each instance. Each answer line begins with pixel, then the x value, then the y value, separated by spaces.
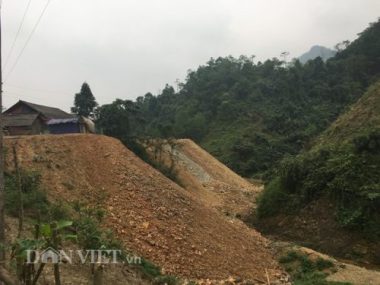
pixel 342 168
pixel 250 114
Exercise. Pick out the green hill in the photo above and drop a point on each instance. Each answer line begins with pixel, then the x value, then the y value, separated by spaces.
pixel 363 117
pixel 342 168
pixel 251 114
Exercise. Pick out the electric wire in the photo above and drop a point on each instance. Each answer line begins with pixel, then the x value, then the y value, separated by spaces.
pixel 27 41
pixel 17 34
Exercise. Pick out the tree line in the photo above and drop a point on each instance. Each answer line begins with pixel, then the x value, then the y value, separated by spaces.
pixel 251 114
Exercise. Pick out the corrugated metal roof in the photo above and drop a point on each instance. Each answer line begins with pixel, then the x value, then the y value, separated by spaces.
pixel 90 125
pixel 19 120
pixel 62 121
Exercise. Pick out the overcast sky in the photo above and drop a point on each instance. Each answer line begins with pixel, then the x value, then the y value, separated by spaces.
pixel 126 48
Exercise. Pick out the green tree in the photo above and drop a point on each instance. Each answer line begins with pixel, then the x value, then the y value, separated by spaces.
pixel 85 102
pixel 250 115
pixel 115 119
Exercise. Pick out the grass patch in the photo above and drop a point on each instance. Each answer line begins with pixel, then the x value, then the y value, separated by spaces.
pixel 305 271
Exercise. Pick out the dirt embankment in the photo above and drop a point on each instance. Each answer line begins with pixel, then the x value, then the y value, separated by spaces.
pixel 153 216
pixel 316 227
pixel 203 175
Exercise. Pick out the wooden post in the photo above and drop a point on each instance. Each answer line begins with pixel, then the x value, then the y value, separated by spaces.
pixel 2 195
pixel 57 276
pixel 19 190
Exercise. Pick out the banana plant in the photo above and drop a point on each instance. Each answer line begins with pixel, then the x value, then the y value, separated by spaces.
pixel 46 236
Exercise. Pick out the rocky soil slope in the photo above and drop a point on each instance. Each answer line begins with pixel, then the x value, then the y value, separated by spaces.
pixel 153 216
pixel 203 175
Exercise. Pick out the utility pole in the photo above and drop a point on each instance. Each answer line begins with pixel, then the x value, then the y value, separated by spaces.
pixel 2 194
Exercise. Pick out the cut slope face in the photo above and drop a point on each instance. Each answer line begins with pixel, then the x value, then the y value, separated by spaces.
pixel 151 215
pixel 201 174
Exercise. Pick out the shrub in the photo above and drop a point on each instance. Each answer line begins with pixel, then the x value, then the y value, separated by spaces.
pixel 271 199
pixel 289 257
pixel 369 142
pixel 305 271
pixel 35 201
pixel 148 269
pixel 346 174
pixel 89 231
pixel 322 264
pixel 165 280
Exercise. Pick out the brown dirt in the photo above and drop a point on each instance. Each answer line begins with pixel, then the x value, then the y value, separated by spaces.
pixel 200 173
pixel 153 216
pixel 355 275
pixel 316 227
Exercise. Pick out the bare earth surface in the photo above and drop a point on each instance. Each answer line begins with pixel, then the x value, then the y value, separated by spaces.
pixel 200 173
pixel 181 230
pixel 153 216
pixel 356 275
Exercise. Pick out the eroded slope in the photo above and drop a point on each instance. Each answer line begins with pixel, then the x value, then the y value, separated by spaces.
pixel 152 215
pixel 203 175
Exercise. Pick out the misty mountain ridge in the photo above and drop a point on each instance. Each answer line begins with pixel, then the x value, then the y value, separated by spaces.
pixel 317 51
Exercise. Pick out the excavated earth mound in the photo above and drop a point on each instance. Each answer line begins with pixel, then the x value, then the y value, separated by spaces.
pixel 200 173
pixel 153 216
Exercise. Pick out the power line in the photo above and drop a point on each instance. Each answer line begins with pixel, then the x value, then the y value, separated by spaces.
pixel 28 40
pixel 17 34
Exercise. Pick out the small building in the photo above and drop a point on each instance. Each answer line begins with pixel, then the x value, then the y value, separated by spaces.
pixel 23 107
pixel 23 124
pixel 77 124
pixel 26 118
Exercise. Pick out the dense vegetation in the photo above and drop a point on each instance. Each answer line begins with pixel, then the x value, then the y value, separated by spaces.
pixel 249 115
pixel 343 165
pixel 34 199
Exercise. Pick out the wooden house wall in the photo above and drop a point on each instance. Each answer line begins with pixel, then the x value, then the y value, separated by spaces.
pixel 35 129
